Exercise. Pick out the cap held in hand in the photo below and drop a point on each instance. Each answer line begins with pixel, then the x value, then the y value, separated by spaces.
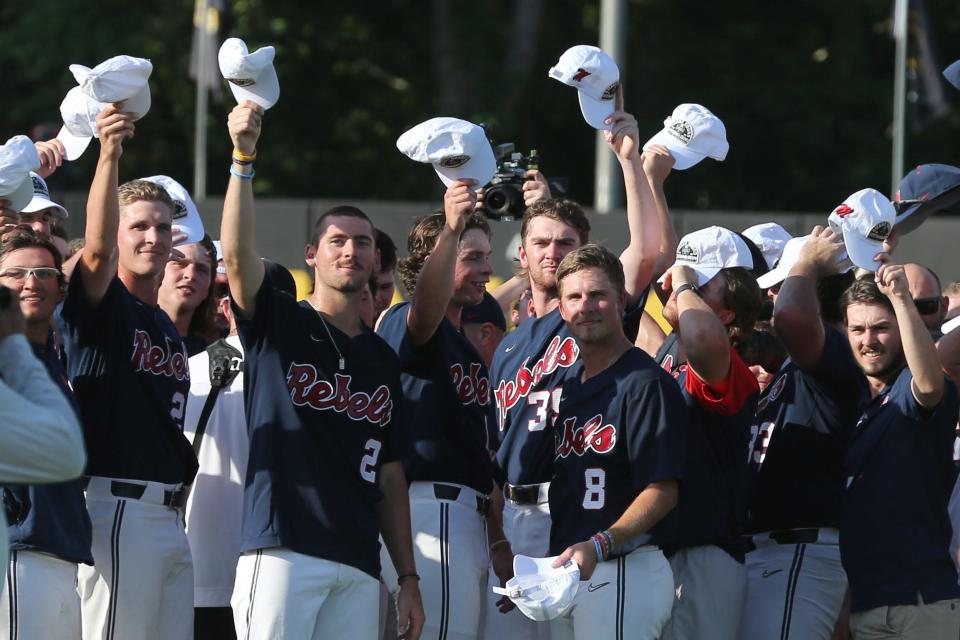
pixel 595 76
pixel 457 149
pixel 251 75
pixel 865 219
pixel 541 591
pixel 709 250
pixel 18 157
pixel 120 79
pixel 692 133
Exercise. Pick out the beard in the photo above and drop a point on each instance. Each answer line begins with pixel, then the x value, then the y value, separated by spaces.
pixel 884 371
pixel 543 283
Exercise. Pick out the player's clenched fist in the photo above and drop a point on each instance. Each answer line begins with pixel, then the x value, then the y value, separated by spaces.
pixel 113 125
pixel 892 281
pixel 51 154
pixel 459 203
pixel 244 126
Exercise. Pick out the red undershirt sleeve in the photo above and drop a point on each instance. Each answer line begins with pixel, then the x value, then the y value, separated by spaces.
pixel 729 396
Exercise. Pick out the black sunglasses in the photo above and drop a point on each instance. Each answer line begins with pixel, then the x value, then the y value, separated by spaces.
pixel 927 306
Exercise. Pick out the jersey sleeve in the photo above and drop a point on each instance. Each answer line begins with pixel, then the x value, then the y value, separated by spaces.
pixel 416 360
pixel 944 413
pixel 80 314
pixel 656 434
pixel 633 314
pixel 730 396
pixel 272 308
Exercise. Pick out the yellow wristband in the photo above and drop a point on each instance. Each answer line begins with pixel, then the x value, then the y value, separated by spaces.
pixel 243 157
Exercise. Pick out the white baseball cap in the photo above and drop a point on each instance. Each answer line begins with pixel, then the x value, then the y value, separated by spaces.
pixel 186 216
pixel 457 149
pixel 251 75
pixel 118 79
pixel 709 250
pixel 539 590
pixel 771 239
pixel 41 198
pixel 790 257
pixel 866 218
pixel 595 76
pixel 18 157
pixel 692 133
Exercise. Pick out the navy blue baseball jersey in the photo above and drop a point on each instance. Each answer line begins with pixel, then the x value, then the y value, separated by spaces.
pixel 129 372
pixel 528 371
pixel 894 527
pixel 50 518
pixel 318 434
pixel 798 435
pixel 445 431
pixel 712 505
pixel 615 434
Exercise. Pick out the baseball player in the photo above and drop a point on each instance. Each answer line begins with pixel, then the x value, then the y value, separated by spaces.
pixel 447 437
pixel 49 526
pixel 796 583
pixel 713 305
pixel 903 582
pixel 532 362
pixel 129 371
pixel 322 394
pixel 619 454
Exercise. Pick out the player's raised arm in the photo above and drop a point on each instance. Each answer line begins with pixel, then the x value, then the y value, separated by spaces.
pixel 435 285
pixel 657 164
pixel 705 338
pixel 640 256
pixel 98 265
pixel 797 309
pixel 237 239
pixel 918 347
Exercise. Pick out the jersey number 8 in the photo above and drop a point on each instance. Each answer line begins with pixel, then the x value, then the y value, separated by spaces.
pixel 595 495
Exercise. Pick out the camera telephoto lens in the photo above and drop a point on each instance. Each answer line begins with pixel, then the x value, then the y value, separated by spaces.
pixel 503 201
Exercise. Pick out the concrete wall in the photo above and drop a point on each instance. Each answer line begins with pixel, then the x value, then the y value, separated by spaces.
pixel 284 226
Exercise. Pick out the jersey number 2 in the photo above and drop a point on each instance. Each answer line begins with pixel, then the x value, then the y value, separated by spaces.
pixel 594 496
pixel 178 406
pixel 368 465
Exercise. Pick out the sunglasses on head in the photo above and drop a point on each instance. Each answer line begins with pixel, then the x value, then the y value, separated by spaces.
pixel 927 306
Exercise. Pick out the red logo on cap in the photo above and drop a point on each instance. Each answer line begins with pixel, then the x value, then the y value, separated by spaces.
pixel 581 74
pixel 843 211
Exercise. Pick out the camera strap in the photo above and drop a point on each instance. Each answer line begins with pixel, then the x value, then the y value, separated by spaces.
pixel 226 361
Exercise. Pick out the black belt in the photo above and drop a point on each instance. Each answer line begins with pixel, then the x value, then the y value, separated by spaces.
pixel 176 499
pixel 526 494
pixel 448 492
pixel 795 536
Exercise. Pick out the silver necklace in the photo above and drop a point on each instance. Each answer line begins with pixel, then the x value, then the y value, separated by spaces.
pixel 341 363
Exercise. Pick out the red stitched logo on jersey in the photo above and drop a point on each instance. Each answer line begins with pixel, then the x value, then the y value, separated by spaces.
pixel 592 436
pixel 168 362
pixel 843 211
pixel 471 388
pixel 558 354
pixel 308 389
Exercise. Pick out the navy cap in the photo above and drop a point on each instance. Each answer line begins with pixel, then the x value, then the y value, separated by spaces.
pixel 487 311
pixel 926 189
pixel 952 74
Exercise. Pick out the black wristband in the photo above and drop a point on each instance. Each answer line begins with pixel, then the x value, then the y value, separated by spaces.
pixel 400 579
pixel 686 286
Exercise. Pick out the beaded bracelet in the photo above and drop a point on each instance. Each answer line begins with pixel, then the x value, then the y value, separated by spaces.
pixel 242 176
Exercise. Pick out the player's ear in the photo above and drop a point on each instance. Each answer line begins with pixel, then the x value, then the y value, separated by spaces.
pixel 523 257
pixel 309 255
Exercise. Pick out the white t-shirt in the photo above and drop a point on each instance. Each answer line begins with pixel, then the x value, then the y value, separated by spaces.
pixel 215 507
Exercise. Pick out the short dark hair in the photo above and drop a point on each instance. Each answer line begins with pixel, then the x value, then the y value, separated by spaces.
pixel 387 249
pixel 864 290
pixel 25 238
pixel 342 211
pixel 742 296
pixel 560 209
pixel 422 239
pixel 593 256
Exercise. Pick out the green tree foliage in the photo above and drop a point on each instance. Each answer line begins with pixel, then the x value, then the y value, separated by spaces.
pixel 804 88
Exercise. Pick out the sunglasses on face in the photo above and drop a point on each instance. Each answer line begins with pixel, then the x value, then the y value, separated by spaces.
pixel 44 274
pixel 927 306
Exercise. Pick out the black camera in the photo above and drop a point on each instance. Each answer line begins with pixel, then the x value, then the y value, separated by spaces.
pixel 503 197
